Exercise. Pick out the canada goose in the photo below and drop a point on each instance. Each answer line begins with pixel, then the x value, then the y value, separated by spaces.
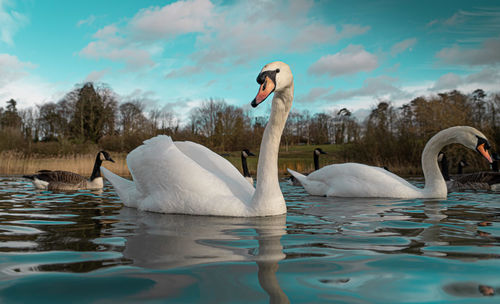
pixel 443 163
pixel 316 154
pixel 65 180
pixel 188 178
pixel 244 154
pixel 484 180
pixel 462 164
pixel 496 160
pixel 358 180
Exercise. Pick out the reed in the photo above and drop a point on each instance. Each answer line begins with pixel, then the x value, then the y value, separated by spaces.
pixel 298 158
pixel 16 163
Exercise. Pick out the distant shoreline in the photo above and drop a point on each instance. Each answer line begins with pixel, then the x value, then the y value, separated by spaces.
pixel 300 159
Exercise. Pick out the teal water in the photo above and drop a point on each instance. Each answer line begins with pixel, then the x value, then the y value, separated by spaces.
pixel 86 247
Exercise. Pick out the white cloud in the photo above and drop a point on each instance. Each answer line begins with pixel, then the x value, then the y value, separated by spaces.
pixel 12 69
pixel 134 58
pixel 316 33
pixel 487 53
pixel 29 92
pixel 139 40
pixel 225 34
pixel 448 81
pixel 10 22
pixel 373 87
pixel 314 95
pixel 173 19
pixel 485 76
pixel 89 21
pixel 351 60
pixel 251 29
pixel 108 32
pixel 382 88
pixel 432 23
pixel 457 18
pixel 403 46
pixel 183 71
pixel 96 75
pixel 486 79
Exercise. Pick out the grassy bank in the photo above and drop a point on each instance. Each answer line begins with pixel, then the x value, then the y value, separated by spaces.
pixel 299 158
pixel 14 163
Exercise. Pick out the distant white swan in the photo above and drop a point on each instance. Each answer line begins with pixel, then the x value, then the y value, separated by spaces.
pixel 316 154
pixel 187 178
pixel 357 180
pixel 67 181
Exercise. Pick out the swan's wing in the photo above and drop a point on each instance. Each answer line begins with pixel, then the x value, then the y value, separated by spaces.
pixel 215 164
pixel 172 182
pixel 358 180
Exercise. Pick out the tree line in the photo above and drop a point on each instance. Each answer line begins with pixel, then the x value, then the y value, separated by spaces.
pixel 91 117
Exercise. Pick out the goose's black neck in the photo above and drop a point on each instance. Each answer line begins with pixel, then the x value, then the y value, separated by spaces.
pixel 494 166
pixel 444 168
pixel 246 173
pixel 460 168
pixel 97 167
pixel 316 161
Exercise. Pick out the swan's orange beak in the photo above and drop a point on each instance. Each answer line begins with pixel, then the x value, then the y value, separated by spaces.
pixel 484 152
pixel 266 88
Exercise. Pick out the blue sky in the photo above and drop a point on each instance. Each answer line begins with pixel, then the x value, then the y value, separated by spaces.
pixel 175 54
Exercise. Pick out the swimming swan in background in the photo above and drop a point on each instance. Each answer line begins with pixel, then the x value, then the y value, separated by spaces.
pixel 65 180
pixel 316 154
pixel 358 180
pixel 188 178
pixel 244 154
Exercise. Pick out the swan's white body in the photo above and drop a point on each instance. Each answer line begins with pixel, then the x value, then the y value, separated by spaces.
pixel 188 178
pixel 358 180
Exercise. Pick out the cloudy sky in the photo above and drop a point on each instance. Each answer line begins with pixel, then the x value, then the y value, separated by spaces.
pixel 175 54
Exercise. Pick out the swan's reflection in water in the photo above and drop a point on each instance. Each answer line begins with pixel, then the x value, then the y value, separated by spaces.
pixel 166 241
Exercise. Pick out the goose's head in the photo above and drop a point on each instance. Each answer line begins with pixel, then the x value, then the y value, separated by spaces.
pixel 246 153
pixel 319 151
pixel 274 77
pixel 474 140
pixel 103 155
pixel 441 156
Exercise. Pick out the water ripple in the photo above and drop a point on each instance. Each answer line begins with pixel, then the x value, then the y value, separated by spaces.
pixel 325 250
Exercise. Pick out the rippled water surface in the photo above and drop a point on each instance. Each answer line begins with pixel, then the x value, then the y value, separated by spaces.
pixel 85 247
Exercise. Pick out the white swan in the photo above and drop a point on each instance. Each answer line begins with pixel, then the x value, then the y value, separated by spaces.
pixel 316 153
pixel 187 178
pixel 357 180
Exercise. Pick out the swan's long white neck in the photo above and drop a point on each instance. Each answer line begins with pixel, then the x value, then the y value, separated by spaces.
pixel 435 185
pixel 268 198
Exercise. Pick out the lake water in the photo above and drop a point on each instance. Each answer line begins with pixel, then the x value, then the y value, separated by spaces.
pixel 85 247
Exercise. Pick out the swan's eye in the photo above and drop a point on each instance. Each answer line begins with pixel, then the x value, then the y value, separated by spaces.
pixel 277 70
pixel 481 141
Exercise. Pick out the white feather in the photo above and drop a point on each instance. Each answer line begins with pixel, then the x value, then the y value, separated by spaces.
pixel 40 184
